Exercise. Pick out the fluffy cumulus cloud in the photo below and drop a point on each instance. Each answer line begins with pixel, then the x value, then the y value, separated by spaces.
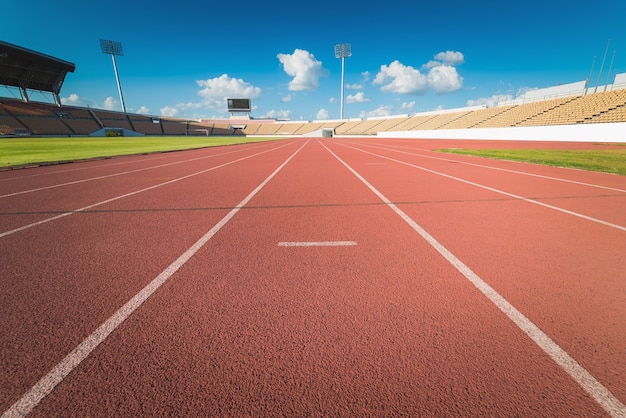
pixel 279 114
pixel 450 58
pixel 110 104
pixel 408 106
pixel 357 98
pixel 72 100
pixel 399 78
pixel 322 114
pixel 169 111
pixel 214 93
pixel 439 76
pixel 379 111
pixel 444 79
pixel 304 68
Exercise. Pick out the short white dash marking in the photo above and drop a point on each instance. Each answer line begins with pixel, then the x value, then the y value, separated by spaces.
pixel 317 244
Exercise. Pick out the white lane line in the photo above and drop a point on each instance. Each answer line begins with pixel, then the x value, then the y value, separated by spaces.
pixel 54 186
pixel 46 384
pixel 590 384
pixel 317 244
pixel 62 215
pixel 523 173
pixel 482 186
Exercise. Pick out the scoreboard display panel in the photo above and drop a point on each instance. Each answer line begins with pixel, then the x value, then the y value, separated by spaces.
pixel 238 105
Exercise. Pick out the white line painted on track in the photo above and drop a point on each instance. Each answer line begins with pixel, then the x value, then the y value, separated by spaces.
pixel 590 384
pixel 317 244
pixel 46 384
pixel 482 186
pixel 54 186
pixel 132 160
pixel 62 215
pixel 523 173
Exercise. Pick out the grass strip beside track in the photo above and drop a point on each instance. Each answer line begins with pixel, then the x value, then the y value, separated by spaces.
pixel 15 152
pixel 606 161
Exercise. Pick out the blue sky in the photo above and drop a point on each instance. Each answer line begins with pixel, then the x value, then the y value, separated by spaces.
pixel 184 58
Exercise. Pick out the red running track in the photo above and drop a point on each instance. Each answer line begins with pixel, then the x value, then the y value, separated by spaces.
pixel 312 277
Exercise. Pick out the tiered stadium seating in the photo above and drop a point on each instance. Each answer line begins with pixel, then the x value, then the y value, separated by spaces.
pixel 113 119
pixel 268 128
pixel 9 124
pixel 173 127
pixel 18 118
pixel 290 128
pixel 363 127
pixel 411 123
pixel 146 125
pixel 347 126
pixel 518 115
pixel 386 125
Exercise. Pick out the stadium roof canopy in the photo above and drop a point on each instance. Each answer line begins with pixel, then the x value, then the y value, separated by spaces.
pixel 30 70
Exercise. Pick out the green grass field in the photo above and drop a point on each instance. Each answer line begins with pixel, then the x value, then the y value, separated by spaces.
pixel 26 151
pixel 15 152
pixel 606 161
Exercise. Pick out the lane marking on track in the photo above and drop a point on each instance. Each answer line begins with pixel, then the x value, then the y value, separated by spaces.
pixel 317 244
pixel 54 186
pixel 482 186
pixel 85 208
pixel 590 384
pixel 523 173
pixel 59 372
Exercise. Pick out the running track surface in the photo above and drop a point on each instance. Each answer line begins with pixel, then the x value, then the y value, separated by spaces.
pixel 313 277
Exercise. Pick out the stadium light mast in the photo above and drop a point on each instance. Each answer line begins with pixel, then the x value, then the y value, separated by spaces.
pixel 114 48
pixel 342 51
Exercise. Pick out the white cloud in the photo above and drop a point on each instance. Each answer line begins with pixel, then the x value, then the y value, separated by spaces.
pixel 354 86
pixel 357 98
pixel 143 110
pixel 379 111
pixel 451 58
pixel 287 98
pixel 279 114
pixel 444 79
pixel 439 76
pixel 304 68
pixel 408 106
pixel 215 91
pixel 110 103
pixel 332 100
pixel 490 101
pixel 169 111
pixel 399 78
pixel 322 114
pixel 72 100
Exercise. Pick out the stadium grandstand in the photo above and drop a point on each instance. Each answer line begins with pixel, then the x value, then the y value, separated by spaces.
pixel 574 104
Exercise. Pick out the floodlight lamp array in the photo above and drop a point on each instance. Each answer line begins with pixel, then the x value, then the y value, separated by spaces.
pixel 111 47
pixel 343 51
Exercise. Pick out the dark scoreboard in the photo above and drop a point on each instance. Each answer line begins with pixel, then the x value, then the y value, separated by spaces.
pixel 238 105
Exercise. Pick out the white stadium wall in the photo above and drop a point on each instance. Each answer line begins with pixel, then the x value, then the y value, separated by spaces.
pixel 596 132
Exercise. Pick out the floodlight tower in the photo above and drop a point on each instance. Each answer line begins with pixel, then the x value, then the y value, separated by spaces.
pixel 342 51
pixel 114 48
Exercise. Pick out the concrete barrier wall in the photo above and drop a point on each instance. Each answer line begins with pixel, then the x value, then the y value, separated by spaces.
pixel 597 132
